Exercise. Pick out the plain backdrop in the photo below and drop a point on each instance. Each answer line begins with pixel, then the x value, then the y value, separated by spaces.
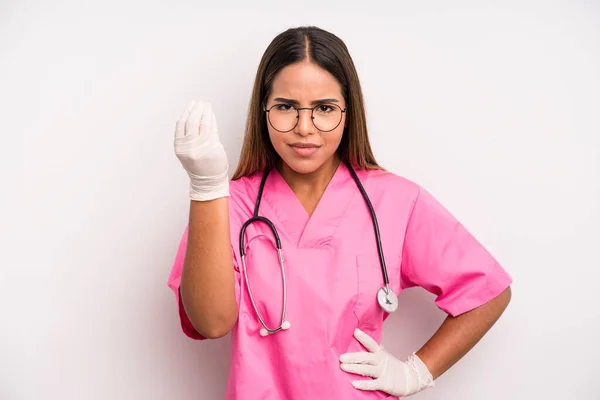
pixel 494 107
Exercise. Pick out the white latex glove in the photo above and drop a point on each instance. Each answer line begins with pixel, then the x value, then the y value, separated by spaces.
pixel 200 152
pixel 390 374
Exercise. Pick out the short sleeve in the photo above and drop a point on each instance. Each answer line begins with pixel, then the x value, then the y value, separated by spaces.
pixel 174 283
pixel 442 257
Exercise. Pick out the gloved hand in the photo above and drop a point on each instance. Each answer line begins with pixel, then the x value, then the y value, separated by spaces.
pixel 200 152
pixel 390 374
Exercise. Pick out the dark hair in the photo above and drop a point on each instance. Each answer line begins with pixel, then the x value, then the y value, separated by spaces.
pixel 329 52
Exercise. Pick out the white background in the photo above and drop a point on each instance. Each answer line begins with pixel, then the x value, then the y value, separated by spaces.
pixel 493 108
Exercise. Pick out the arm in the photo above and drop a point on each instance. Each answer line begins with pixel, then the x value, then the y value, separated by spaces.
pixel 207 287
pixel 457 335
pixel 207 280
pixel 442 257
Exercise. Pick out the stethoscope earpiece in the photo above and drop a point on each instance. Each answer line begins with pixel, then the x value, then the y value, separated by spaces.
pixel 284 326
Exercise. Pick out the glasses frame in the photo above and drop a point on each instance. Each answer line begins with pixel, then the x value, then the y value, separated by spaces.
pixel 312 118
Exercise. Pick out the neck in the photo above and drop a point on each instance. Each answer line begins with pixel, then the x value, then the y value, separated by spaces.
pixel 310 187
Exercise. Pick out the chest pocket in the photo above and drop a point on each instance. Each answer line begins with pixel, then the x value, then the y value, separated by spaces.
pixel 370 280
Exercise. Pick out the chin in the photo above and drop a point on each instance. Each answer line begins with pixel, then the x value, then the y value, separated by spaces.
pixel 305 166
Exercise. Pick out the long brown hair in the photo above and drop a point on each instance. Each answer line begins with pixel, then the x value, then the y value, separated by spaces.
pixel 329 52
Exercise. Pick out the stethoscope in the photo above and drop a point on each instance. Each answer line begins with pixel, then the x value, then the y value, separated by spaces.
pixel 385 295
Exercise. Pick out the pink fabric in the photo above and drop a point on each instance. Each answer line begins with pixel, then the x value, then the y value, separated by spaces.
pixel 333 274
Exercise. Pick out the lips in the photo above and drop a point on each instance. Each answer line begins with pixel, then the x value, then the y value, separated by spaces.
pixel 304 149
pixel 304 145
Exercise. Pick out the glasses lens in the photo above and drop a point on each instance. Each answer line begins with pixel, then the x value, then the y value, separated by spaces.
pixel 283 117
pixel 327 117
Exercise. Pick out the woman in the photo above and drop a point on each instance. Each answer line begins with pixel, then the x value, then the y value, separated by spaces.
pixel 305 139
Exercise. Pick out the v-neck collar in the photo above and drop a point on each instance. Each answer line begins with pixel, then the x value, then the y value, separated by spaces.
pixel 292 219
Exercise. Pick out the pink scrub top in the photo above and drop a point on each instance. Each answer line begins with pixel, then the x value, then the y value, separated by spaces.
pixel 333 275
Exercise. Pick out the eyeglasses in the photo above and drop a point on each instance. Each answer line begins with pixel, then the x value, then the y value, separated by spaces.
pixel 285 117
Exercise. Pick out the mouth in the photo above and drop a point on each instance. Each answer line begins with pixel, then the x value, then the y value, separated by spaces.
pixel 304 149
pixel 304 145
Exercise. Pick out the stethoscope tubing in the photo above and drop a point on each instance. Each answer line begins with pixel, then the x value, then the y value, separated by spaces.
pixel 257 218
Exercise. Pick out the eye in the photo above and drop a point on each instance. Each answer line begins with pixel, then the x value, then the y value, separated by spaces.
pixel 324 109
pixel 283 107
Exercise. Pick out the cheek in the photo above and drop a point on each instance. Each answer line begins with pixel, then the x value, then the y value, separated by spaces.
pixel 276 139
pixel 333 139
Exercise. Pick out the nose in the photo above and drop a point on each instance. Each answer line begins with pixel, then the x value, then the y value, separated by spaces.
pixel 305 125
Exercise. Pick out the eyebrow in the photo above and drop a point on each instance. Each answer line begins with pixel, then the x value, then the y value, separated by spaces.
pixel 296 102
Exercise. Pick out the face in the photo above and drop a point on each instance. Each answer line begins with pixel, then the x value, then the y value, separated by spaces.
pixel 306 148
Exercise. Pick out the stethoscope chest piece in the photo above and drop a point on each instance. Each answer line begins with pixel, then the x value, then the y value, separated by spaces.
pixel 387 299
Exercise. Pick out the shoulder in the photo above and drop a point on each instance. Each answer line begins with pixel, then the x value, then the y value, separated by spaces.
pixel 245 187
pixel 242 195
pixel 389 185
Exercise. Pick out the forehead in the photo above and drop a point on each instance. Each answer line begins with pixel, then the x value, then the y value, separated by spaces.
pixel 305 81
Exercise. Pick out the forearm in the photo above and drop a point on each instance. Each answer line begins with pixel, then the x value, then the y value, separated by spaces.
pixel 207 281
pixel 457 335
